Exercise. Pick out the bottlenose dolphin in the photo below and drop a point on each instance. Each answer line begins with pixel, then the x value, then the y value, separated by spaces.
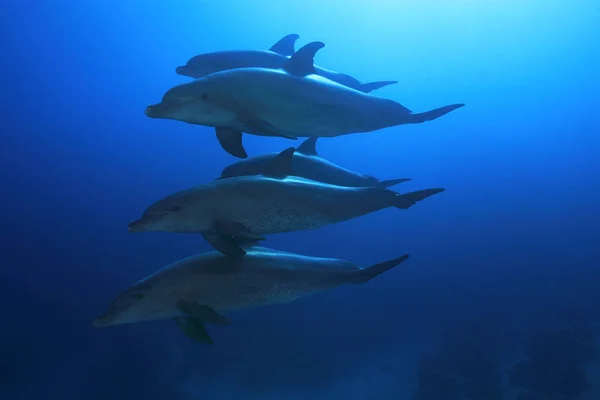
pixel 248 207
pixel 198 289
pixel 275 58
pixel 307 164
pixel 286 102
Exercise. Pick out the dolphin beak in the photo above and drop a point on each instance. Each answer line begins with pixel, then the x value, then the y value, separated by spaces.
pixel 102 321
pixel 136 226
pixel 180 70
pixel 157 110
pixel 163 110
pixel 150 111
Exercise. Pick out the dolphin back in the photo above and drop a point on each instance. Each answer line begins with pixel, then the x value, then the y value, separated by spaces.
pixel 250 166
pixel 206 64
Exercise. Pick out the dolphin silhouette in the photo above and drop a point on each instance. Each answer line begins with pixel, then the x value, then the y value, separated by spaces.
pixel 198 289
pixel 287 102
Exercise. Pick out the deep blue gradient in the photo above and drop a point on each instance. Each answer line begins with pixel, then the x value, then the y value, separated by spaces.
pixel 510 248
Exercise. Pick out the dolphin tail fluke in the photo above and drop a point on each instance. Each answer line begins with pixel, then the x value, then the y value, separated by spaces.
pixel 369 87
pixel 405 201
pixel 392 182
pixel 366 274
pixel 433 114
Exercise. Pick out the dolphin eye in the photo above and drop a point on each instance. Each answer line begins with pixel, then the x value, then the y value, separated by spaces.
pixel 176 208
pixel 139 296
pixel 204 96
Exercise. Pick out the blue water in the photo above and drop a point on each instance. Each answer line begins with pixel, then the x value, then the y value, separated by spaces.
pixel 509 251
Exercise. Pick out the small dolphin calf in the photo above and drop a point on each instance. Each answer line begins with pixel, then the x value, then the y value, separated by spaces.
pixel 285 103
pixel 198 289
pixel 307 164
pixel 275 58
pixel 246 208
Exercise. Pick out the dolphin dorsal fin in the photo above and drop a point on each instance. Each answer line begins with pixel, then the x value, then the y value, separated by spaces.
pixel 302 62
pixel 286 45
pixel 309 147
pixel 281 165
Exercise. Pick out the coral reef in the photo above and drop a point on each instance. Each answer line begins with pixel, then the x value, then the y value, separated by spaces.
pixel 458 372
pixel 554 369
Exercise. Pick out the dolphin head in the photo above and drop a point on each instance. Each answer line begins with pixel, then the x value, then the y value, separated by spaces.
pixel 192 102
pixel 201 65
pixel 135 304
pixel 160 222
pixel 160 216
pixel 180 212
pixel 177 98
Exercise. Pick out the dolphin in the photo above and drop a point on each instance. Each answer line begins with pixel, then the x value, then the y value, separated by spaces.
pixel 201 288
pixel 307 164
pixel 245 208
pixel 287 102
pixel 275 58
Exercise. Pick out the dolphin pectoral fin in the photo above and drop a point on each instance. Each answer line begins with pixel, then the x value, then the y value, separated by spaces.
pixel 309 147
pixel 407 200
pixel 366 274
pixel 246 242
pixel 230 238
pixel 281 165
pixel 369 87
pixel 392 182
pixel 302 63
pixel 224 244
pixel 263 127
pixel 433 114
pixel 231 142
pixel 202 313
pixel 194 329
pixel 286 45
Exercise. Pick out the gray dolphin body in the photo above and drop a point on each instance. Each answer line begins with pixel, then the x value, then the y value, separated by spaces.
pixel 291 102
pixel 274 58
pixel 307 164
pixel 249 207
pixel 198 289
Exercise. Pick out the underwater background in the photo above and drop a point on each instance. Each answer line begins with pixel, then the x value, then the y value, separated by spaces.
pixel 501 295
